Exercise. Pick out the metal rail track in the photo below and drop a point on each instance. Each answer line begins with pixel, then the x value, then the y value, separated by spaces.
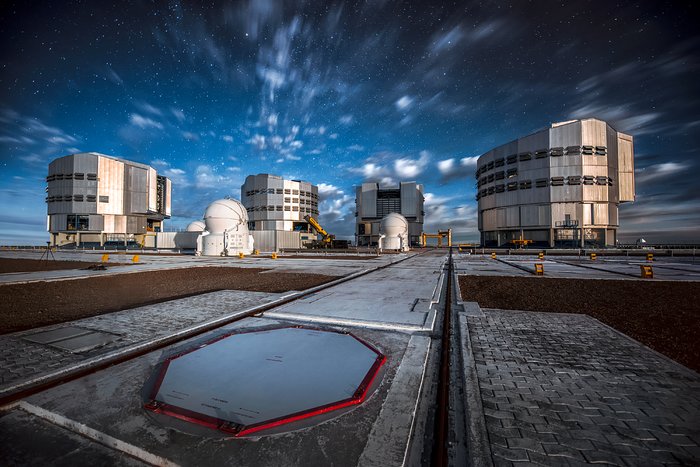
pixel 440 447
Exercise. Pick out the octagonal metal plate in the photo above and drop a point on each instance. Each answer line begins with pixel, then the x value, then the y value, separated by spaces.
pixel 246 382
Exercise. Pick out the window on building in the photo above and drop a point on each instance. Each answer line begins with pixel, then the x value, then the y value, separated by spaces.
pixel 491 178
pixel 588 180
pixel 77 198
pixel 573 150
pixel 556 152
pixel 92 176
pixel 79 176
pixel 574 180
pixel 490 165
pixel 287 191
pixel 287 200
pixel 287 208
pixel 68 177
pixel 512 159
pixel 76 222
pixel 500 175
pixel 512 172
pixel 295 208
pixel 500 188
pixel 104 199
pixel 499 162
pixel 557 181
pixel 51 178
pixel 295 200
pixel 512 186
pixel 587 150
pixel 601 180
pixel 279 191
pixel 541 153
pixel 490 190
pixel 295 192
pixel 525 156
pixel 91 198
pixel 67 198
pixel 601 150
pixel 525 184
pixel 541 183
pixel 278 208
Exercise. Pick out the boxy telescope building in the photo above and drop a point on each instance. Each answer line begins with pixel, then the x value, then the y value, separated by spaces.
pixel 96 198
pixel 558 187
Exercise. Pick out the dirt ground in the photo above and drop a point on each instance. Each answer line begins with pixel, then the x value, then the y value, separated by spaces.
pixel 33 265
pixel 25 306
pixel 662 315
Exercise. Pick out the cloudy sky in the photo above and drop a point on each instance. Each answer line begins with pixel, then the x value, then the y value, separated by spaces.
pixel 338 93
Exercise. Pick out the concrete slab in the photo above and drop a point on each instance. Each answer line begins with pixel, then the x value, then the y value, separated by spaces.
pixel 399 296
pixel 115 409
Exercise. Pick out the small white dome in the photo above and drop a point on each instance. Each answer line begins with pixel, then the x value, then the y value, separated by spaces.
pixel 393 225
pixel 196 226
pixel 225 214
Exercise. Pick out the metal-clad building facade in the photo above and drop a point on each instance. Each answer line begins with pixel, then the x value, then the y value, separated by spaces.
pixel 373 203
pixel 561 186
pixel 274 203
pixel 92 197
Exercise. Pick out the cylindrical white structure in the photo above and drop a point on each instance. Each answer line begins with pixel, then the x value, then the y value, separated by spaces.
pixel 226 234
pixel 394 230
pixel 196 226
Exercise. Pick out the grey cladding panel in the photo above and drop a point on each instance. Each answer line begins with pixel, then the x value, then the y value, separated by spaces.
pixel 409 199
pixel 369 201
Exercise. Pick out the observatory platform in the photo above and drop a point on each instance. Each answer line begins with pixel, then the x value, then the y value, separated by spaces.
pixel 347 374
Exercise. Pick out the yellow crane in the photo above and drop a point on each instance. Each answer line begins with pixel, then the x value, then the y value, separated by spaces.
pixel 327 240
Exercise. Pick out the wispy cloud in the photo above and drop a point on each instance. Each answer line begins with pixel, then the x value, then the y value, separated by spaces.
pixel 144 122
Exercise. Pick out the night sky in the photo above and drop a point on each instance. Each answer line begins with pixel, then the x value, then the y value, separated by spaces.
pixel 338 93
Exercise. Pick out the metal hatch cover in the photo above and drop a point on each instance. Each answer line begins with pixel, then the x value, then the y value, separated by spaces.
pixel 245 382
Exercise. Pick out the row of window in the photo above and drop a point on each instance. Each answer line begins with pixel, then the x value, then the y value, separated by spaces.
pixel 76 222
pixel 282 208
pixel 75 176
pixel 510 173
pixel 542 153
pixel 77 198
pixel 280 191
pixel 545 182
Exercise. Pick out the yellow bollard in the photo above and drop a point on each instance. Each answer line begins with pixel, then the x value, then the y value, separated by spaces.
pixel 135 259
pixel 647 271
pixel 241 255
pixel 650 256
pixel 493 255
pixel 540 256
pixel 273 256
pixel 105 258
pixel 539 269
pixel 256 252
pixel 593 256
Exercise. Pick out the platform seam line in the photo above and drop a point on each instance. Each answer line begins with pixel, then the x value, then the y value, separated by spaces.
pixel 95 435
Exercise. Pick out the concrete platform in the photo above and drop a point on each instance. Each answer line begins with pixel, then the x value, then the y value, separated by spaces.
pixel 105 407
pixel 546 388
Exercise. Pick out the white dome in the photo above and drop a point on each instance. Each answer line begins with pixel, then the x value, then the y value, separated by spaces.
pixel 196 226
pixel 225 214
pixel 393 225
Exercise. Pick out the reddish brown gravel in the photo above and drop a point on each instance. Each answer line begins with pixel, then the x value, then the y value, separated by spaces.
pixel 25 306
pixel 33 265
pixel 660 314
